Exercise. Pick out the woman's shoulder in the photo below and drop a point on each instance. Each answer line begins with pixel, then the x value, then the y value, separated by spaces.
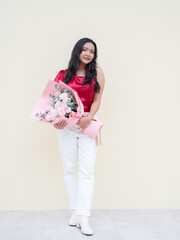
pixel 100 75
pixel 99 70
pixel 60 75
pixel 62 71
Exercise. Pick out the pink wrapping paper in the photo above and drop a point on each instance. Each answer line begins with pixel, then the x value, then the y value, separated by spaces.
pixel 94 130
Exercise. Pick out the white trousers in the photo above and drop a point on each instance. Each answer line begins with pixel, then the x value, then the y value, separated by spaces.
pixel 74 145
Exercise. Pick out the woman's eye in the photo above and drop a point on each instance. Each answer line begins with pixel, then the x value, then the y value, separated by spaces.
pixel 86 50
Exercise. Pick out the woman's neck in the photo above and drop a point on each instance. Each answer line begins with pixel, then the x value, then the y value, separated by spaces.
pixel 81 70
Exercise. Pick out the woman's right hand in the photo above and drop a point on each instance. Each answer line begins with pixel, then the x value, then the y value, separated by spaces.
pixel 61 124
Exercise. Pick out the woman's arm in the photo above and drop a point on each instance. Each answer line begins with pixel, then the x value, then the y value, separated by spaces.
pixel 97 97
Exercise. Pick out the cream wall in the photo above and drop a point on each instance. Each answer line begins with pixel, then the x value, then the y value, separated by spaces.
pixel 138 165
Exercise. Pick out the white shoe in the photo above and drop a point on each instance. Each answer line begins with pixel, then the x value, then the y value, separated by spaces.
pixel 73 219
pixel 83 224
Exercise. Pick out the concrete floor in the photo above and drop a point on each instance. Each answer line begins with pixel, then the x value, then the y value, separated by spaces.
pixel 106 224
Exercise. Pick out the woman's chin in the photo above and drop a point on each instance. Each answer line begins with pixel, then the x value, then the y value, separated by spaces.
pixel 85 61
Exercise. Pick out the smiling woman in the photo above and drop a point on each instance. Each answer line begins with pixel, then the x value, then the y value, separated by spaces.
pixel 87 79
pixel 87 54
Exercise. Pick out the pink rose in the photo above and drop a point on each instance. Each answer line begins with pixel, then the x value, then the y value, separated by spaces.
pixel 68 109
pixel 58 104
pixel 64 97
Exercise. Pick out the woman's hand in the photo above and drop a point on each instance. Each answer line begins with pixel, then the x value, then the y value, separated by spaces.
pixel 84 121
pixel 61 124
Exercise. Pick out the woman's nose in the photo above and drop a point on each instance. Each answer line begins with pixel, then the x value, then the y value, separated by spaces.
pixel 87 53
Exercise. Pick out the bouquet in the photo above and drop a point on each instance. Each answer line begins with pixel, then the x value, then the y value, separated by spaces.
pixel 59 101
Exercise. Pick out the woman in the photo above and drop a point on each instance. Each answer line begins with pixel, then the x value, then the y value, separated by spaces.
pixel 84 76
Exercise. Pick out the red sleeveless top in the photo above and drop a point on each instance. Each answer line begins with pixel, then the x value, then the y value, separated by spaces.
pixel 85 92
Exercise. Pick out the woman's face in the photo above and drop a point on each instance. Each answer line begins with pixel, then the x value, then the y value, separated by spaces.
pixel 87 53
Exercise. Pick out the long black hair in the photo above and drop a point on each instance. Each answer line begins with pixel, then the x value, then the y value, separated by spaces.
pixel 90 68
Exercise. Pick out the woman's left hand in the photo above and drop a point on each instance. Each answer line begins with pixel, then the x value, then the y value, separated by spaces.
pixel 84 121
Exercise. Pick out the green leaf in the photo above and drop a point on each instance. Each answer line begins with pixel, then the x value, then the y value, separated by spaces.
pixel 56 85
